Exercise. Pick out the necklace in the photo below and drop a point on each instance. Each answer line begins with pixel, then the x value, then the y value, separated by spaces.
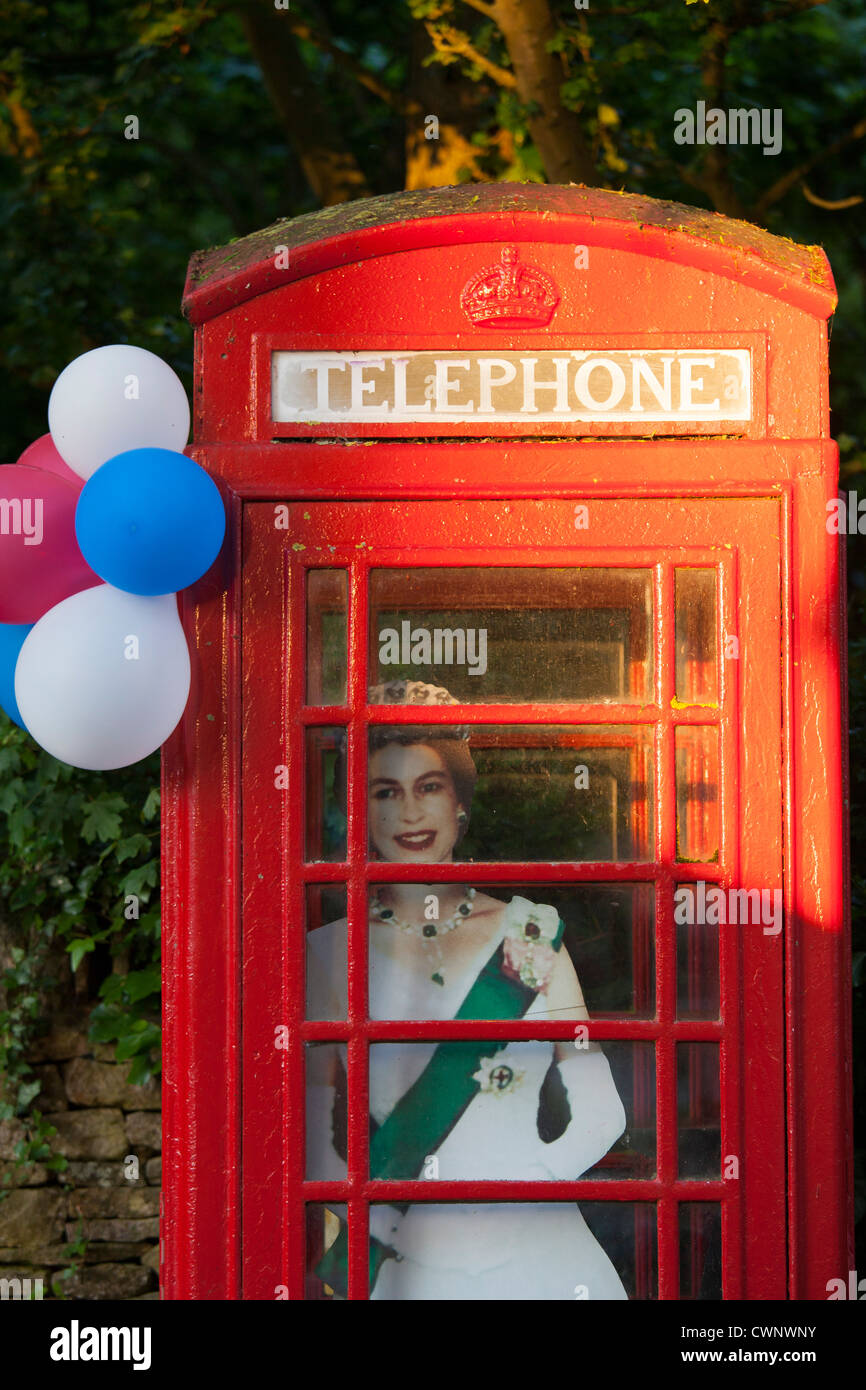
pixel 429 932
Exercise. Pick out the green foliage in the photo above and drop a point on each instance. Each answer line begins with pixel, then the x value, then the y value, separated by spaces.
pixel 79 874
pixel 75 1251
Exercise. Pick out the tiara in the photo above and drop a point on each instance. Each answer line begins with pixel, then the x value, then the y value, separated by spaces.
pixel 406 692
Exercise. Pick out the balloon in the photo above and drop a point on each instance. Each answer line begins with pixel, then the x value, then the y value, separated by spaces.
pixel 11 638
pixel 43 454
pixel 40 562
pixel 113 399
pixel 103 678
pixel 150 521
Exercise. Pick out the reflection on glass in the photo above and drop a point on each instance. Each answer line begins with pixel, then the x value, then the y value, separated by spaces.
pixel 697 956
pixel 504 636
pixel 695 607
pixel 323 1226
pixel 607 948
pixel 697 755
pixel 627 1231
pixel 327 602
pixel 700 1251
pixel 699 1110
pixel 326 951
pixel 518 792
pixel 327 1099
pixel 326 795
pixel 632 1066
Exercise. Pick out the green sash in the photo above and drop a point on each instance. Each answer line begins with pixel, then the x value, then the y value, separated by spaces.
pixel 426 1114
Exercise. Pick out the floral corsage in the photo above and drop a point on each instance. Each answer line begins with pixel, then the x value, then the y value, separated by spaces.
pixel 528 951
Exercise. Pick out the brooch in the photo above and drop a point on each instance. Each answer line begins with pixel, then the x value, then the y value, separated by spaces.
pixel 497 1075
pixel 528 952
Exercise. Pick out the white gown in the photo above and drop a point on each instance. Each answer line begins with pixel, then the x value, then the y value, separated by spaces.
pixel 538 1250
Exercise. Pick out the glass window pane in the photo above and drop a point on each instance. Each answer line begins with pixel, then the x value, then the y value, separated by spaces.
pixel 697 954
pixel 326 951
pixel 327 602
pixel 626 1231
pixel 695 603
pixel 514 1251
pixel 327 1100
pixel 510 793
pixel 700 1251
pixel 501 636
pixel 419 932
pixel 699 1110
pixel 326 795
pixel 512 1110
pixel 697 754
pixel 324 1224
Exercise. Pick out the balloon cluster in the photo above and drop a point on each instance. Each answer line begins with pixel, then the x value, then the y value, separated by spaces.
pixel 102 521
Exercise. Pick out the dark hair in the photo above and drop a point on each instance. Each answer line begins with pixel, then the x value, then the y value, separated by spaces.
pixel 454 753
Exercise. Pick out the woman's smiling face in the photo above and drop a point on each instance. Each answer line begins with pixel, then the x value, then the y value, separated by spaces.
pixel 413 805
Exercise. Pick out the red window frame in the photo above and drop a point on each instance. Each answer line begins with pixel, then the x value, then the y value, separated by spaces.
pixel 274 1190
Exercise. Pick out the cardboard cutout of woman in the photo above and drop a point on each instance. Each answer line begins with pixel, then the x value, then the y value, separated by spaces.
pixel 501 1110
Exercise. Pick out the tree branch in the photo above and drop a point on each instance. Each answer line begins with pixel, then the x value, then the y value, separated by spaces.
pixel 328 164
pixel 715 175
pixel 528 29
pixel 28 142
pixel 782 185
pixel 489 11
pixel 833 206
pixel 453 43
pixel 439 88
pixel 348 64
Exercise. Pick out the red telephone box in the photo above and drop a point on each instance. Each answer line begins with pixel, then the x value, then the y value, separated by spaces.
pixel 554 464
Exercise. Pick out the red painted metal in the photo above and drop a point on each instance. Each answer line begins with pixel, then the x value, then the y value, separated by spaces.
pixel 388 274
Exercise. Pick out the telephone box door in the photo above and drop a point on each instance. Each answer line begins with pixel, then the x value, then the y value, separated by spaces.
pixel 616 666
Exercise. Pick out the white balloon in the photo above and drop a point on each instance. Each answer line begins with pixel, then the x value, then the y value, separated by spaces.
pixel 103 677
pixel 112 399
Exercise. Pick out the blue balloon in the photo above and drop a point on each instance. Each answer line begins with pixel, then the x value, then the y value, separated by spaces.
pixel 11 641
pixel 150 521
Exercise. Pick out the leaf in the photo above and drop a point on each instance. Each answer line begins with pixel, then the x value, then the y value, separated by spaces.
pixel 131 846
pixel 106 1023
pixel 101 818
pixel 140 983
pixel 26 1093
pixel 140 1070
pixel 151 805
pixel 145 876
pixel 79 949
pixel 138 1042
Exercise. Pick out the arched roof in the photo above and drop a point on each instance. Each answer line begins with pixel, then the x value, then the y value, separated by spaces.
pixel 223 277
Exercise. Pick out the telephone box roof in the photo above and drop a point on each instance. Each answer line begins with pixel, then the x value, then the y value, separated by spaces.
pixel 222 277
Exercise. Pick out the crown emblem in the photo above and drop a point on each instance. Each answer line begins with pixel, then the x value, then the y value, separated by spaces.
pixel 510 293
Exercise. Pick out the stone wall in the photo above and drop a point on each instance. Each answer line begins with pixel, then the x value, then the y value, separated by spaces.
pixel 109 1193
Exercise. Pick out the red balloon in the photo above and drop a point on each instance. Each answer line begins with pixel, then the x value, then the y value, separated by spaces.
pixel 40 562
pixel 43 454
